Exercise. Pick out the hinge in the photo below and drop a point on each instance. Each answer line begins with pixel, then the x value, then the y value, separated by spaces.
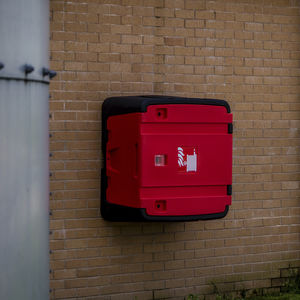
pixel 229 190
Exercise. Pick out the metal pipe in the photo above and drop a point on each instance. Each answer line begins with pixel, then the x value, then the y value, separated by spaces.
pixel 24 251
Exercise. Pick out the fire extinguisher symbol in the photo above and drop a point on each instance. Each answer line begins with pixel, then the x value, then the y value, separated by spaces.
pixel 187 159
pixel 180 157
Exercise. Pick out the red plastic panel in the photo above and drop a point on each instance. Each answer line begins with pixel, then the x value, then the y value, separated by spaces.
pixel 122 160
pixel 172 160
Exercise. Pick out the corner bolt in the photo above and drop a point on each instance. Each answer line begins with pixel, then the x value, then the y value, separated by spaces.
pixel 46 72
pixel 28 69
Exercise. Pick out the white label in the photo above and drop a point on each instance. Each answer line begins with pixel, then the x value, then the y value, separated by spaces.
pixel 159 160
pixel 191 165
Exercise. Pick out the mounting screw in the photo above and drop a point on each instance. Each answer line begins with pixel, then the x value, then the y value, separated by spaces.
pixel 1 65
pixel 50 155
pixel 50 251
pixel 45 71
pixel 50 232
pixel 50 213
pixel 52 74
pixel 50 194
pixel 28 69
pixel 50 116
pixel 50 174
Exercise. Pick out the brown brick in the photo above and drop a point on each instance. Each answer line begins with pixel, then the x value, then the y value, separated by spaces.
pixel 254 27
pixel 185 14
pixel 174 41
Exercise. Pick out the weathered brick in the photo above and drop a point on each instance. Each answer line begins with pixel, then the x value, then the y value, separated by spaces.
pixel 247 53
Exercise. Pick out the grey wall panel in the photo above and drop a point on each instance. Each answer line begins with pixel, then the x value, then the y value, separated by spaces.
pixel 24 36
pixel 24 173
pixel 23 190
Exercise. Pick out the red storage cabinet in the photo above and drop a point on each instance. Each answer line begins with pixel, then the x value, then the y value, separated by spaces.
pixel 166 158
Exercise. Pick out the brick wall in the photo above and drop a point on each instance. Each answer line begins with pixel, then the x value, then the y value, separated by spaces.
pixel 246 52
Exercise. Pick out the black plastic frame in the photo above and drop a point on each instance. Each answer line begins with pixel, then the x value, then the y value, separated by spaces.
pixel 131 104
